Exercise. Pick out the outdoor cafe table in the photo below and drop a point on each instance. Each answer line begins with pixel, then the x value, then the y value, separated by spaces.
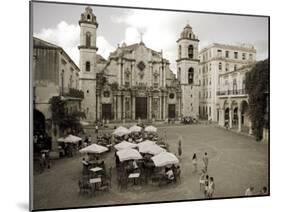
pixel 96 169
pixel 95 181
pixel 134 176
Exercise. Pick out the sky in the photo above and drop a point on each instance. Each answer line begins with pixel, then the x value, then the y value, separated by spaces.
pixel 58 24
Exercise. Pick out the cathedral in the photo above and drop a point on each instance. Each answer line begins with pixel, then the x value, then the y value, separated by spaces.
pixel 136 82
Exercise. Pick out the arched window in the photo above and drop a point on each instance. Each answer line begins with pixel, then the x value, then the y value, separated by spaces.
pixel 179 51
pixel 190 75
pixel 88 66
pixel 226 67
pixel 220 66
pixel 235 67
pixel 88 39
pixel 88 17
pixel 70 81
pixel 190 51
pixel 234 86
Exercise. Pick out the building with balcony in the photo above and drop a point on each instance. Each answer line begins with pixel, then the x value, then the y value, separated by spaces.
pixel 218 62
pixel 232 99
pixel 54 74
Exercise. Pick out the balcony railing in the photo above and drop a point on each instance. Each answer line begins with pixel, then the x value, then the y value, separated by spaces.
pixel 232 92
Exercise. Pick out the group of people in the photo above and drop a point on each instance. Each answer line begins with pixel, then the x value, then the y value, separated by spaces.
pixel 251 191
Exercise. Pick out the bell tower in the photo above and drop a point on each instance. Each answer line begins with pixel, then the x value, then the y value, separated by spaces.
pixel 187 71
pixel 87 64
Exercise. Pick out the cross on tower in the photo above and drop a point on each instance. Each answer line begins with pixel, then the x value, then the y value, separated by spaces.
pixel 141 35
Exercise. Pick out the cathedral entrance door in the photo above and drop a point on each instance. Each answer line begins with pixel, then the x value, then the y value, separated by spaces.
pixel 141 107
pixel 106 111
pixel 172 111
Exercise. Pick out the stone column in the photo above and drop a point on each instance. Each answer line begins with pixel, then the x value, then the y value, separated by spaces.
pixel 123 108
pixel 250 128
pixel 133 107
pixel 164 107
pixel 119 107
pixel 160 106
pixel 115 107
pixel 150 107
pixel 164 75
pixel 239 120
pixel 230 118
pixel 221 117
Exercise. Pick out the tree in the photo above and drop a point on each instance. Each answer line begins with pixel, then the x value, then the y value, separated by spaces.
pixel 65 121
pixel 257 87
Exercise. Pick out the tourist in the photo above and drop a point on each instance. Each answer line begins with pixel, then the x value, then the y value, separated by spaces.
pixel 202 180
pixel 194 163
pixel 263 191
pixel 205 161
pixel 206 189
pixel 249 191
pixel 89 140
pixel 211 188
pixel 170 175
pixel 97 129
pixel 179 149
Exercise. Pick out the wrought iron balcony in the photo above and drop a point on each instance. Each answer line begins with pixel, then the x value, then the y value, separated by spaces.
pixel 232 92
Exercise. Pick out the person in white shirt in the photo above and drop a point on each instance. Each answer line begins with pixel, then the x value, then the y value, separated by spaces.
pixel 249 191
pixel 170 175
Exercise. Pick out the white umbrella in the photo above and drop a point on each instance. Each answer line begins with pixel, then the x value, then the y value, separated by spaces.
pixel 84 123
pixel 153 149
pixel 70 139
pixel 120 131
pixel 135 128
pixel 128 154
pixel 125 145
pixel 145 143
pixel 150 129
pixel 94 148
pixel 164 159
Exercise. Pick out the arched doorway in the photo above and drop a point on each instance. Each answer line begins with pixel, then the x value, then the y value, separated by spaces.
pixel 244 116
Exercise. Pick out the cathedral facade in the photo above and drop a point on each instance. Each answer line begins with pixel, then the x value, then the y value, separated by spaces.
pixel 136 82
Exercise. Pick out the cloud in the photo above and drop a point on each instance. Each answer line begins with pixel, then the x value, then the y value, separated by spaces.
pixel 158 28
pixel 67 36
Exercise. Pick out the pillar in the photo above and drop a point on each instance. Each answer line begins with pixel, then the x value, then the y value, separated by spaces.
pixel 221 117
pixel 123 108
pixel 119 107
pixel 133 107
pixel 115 107
pixel 239 120
pixel 230 118
pixel 150 107
pixel 98 107
pixel 160 106
pixel 250 128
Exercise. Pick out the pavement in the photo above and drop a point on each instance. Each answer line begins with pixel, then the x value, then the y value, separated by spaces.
pixel 235 161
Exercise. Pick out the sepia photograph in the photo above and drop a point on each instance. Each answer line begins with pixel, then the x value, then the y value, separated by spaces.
pixel 134 105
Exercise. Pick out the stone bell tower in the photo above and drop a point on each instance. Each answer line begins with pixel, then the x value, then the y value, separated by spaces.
pixel 187 71
pixel 87 64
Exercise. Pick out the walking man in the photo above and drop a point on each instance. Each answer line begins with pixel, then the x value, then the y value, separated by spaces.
pixel 205 161
pixel 179 149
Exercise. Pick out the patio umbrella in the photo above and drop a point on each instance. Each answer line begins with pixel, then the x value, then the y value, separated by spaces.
pixel 145 143
pixel 70 139
pixel 125 145
pixel 128 154
pixel 94 148
pixel 120 131
pixel 150 129
pixel 164 159
pixel 152 149
pixel 135 128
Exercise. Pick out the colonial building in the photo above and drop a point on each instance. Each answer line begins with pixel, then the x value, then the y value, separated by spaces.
pixel 232 99
pixel 187 71
pixel 217 61
pixel 134 83
pixel 54 74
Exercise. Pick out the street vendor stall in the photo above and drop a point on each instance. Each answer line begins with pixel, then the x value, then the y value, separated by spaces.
pixel 125 145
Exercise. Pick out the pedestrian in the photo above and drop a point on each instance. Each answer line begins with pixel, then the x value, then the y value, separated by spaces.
pixel 202 180
pixel 249 191
pixel 206 188
pixel 179 149
pixel 206 161
pixel 263 191
pixel 211 188
pixel 89 140
pixel 97 129
pixel 194 162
